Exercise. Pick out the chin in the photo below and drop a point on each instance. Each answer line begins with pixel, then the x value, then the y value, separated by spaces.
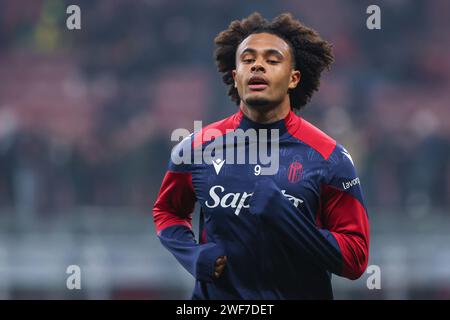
pixel 255 101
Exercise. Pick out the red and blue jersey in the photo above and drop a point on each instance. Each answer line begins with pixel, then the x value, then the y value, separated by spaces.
pixel 283 234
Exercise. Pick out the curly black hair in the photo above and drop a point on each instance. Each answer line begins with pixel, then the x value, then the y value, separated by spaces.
pixel 310 52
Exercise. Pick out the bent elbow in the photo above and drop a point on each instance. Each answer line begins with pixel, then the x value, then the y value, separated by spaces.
pixel 356 269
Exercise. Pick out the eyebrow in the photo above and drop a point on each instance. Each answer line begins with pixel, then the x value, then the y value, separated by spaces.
pixel 267 52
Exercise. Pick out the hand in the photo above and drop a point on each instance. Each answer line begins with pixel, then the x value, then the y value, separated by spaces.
pixel 220 265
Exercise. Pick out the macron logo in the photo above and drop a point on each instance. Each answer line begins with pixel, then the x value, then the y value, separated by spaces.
pixel 218 163
pixel 345 153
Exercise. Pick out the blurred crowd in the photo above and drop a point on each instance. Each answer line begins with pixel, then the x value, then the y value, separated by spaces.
pixel 86 115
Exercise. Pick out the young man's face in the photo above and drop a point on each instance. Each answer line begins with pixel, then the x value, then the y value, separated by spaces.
pixel 264 70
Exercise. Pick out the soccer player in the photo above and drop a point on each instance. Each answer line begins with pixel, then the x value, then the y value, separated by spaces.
pixel 277 236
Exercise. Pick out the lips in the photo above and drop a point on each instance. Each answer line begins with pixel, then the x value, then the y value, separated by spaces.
pixel 257 83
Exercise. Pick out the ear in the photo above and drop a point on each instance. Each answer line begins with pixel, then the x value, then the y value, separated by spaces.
pixel 233 73
pixel 295 79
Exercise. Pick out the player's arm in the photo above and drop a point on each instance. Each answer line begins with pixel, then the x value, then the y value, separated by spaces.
pixel 172 214
pixel 342 245
pixel 344 216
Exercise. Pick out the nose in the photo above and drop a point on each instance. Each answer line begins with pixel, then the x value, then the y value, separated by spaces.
pixel 257 67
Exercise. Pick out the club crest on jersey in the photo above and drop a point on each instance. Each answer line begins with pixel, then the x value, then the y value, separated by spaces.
pixel 295 172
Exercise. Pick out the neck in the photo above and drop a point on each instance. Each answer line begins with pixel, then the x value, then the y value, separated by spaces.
pixel 265 115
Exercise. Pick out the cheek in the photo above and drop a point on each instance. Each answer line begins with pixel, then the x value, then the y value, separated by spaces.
pixel 283 79
pixel 240 80
pixel 240 72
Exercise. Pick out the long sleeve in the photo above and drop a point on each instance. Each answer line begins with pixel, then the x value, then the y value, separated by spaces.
pixel 198 260
pixel 172 217
pixel 343 213
pixel 340 242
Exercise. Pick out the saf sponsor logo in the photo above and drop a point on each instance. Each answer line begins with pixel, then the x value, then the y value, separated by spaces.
pixel 237 200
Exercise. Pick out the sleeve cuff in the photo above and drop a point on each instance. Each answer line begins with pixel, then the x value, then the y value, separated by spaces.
pixel 207 260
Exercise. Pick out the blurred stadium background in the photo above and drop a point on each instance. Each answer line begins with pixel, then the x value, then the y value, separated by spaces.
pixel 86 117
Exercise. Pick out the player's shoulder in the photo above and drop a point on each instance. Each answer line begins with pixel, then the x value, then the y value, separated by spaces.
pixel 182 157
pixel 329 148
pixel 311 135
pixel 341 157
pixel 215 129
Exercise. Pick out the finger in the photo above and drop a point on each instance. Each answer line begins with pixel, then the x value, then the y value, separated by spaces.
pixel 220 268
pixel 223 259
pixel 220 261
pixel 220 264
pixel 218 273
